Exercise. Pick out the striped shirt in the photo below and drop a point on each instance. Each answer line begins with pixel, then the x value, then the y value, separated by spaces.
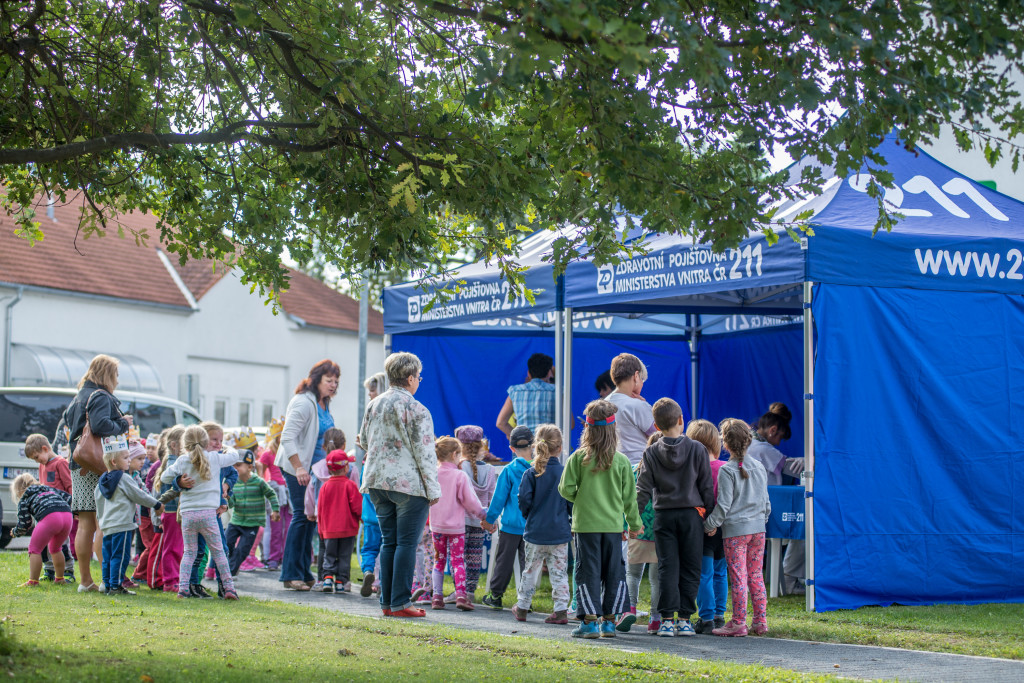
pixel 533 403
pixel 248 502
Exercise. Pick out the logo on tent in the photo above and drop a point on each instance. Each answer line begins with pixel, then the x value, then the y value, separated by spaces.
pixel 606 279
pixel 919 184
pixel 414 309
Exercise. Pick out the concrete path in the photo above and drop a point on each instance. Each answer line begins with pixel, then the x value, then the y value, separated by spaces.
pixel 854 661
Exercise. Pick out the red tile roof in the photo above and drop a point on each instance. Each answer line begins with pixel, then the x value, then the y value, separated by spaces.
pixel 109 266
pixel 198 276
pixel 317 304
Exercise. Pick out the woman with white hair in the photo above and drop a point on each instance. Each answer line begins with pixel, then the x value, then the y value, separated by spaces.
pixel 400 476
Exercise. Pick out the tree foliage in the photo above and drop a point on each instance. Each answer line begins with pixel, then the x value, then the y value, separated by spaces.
pixel 391 135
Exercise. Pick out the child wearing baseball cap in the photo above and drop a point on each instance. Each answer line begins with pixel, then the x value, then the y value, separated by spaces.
pixel 338 510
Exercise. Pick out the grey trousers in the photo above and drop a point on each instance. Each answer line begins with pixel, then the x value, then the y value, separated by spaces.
pixel 498 576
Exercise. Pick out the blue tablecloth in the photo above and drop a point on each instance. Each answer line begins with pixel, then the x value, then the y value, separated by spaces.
pixel 787 518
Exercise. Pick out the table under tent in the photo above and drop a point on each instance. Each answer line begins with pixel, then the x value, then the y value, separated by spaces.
pixel 912 374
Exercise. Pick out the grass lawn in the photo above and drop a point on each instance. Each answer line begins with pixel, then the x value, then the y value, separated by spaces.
pixel 991 630
pixel 52 633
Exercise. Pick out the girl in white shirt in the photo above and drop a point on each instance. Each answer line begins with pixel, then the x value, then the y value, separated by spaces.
pixel 198 505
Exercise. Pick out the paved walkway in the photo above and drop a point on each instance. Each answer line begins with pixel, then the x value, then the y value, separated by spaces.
pixel 854 661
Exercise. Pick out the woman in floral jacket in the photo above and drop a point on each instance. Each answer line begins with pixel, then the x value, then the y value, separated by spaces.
pixel 400 476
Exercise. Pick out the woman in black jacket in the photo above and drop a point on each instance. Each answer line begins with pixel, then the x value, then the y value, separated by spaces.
pixel 95 398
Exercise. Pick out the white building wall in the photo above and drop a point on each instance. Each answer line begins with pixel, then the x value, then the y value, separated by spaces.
pixel 239 349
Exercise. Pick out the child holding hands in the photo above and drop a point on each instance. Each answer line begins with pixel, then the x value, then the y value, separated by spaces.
pixel 448 522
pixel 338 509
pixel 742 513
pixel 599 481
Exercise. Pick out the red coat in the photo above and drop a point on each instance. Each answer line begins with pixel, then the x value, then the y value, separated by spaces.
pixel 339 508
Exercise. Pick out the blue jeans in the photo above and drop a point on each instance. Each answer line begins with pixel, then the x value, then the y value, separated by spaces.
pixel 298 544
pixel 117 553
pixel 714 587
pixel 401 519
pixel 371 546
pixel 199 566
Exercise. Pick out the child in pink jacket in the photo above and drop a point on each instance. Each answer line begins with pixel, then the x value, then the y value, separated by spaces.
pixel 448 522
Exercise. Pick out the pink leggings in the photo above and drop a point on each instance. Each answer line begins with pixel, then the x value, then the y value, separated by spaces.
pixel 50 533
pixel 454 545
pixel 744 555
pixel 193 523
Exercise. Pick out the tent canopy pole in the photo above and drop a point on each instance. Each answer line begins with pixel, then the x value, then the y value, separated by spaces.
pixel 809 445
pixel 566 372
pixel 559 371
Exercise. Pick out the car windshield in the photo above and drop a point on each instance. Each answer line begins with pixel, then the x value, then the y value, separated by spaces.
pixel 24 414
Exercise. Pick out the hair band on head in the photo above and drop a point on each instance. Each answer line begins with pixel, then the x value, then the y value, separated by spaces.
pixel 607 421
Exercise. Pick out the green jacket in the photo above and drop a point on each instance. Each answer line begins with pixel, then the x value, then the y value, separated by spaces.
pixel 600 499
pixel 647 516
pixel 248 501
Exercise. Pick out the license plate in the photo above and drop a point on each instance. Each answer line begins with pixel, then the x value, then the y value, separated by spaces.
pixel 13 472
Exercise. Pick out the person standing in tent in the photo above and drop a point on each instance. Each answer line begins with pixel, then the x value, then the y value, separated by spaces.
pixel 533 401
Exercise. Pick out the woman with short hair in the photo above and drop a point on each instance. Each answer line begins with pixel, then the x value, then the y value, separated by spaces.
pixel 306 420
pixel 94 402
pixel 400 476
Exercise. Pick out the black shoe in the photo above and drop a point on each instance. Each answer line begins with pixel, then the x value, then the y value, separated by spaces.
pixel 704 626
pixel 719 622
pixel 119 590
pixel 198 591
pixel 492 601
pixel 367 588
pixel 220 590
pixel 48 575
pixel 69 576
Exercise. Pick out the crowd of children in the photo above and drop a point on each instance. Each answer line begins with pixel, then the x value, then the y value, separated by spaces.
pixel 694 520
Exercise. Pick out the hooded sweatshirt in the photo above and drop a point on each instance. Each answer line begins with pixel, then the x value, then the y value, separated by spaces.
pixel 116 495
pixel 505 502
pixel 678 473
pixel 448 515
pixel 546 512
pixel 743 504
pixel 483 485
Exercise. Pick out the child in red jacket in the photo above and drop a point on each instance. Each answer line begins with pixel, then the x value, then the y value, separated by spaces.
pixel 337 515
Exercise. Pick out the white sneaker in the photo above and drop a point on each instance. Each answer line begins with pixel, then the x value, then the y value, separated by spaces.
pixel 668 629
pixel 685 628
pixel 450 599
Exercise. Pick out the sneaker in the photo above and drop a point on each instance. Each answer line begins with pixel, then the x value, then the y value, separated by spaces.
pixel 653 627
pixel 450 598
pixel 492 601
pixel 607 629
pixel 198 591
pixel 667 629
pixel 408 612
pixel 230 594
pixel 559 617
pixel 464 603
pixel 519 613
pixel 273 566
pixel 684 628
pixel 31 583
pixel 719 622
pixel 184 596
pixel 129 584
pixel 437 602
pixel 328 585
pixel 759 628
pixel 419 593
pixel 704 626
pixel 367 588
pixel 317 587
pixel 47 575
pixel 586 629
pixel 69 576
pixel 343 588
pixel 625 622
pixel 732 629
pixel 119 590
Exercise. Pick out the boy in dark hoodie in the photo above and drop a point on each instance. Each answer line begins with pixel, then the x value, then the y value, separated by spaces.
pixel 116 495
pixel 677 472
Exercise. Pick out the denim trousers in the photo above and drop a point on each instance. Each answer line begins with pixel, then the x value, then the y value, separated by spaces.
pixel 298 544
pixel 401 519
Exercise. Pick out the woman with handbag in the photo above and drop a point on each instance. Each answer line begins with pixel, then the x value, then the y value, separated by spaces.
pixel 92 415
pixel 400 476
pixel 306 420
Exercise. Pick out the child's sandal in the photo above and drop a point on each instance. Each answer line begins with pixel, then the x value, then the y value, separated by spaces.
pixel 31 583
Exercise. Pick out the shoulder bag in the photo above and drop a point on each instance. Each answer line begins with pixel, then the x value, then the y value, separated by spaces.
pixel 89 451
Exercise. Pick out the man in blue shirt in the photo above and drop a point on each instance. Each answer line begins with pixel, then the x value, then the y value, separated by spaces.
pixel 532 402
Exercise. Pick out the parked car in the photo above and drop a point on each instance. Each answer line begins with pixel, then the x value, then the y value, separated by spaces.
pixel 30 410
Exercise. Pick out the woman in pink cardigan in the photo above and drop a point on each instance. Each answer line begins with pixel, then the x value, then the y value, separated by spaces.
pixel 448 522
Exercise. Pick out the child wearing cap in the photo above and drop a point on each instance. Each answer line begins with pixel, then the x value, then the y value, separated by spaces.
pixel 248 503
pixel 338 509
pixel 505 505
pixel 53 472
pixel 484 477
pixel 117 495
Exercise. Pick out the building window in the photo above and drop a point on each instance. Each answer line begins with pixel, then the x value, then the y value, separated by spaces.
pixel 220 410
pixel 268 413
pixel 244 410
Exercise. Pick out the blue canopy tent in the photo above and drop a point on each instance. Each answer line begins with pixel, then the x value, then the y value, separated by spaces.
pixel 476 344
pixel 913 374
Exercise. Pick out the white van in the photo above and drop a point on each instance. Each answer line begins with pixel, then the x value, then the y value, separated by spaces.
pixel 31 410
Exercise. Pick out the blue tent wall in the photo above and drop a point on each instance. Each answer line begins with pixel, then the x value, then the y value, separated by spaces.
pixel 741 374
pixel 466 377
pixel 919 431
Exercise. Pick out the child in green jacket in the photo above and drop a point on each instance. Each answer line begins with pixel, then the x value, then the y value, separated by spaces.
pixel 599 482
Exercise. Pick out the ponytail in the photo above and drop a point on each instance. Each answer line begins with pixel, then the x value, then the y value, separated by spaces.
pixel 194 442
pixel 548 444
pixel 736 436
pixel 469 452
